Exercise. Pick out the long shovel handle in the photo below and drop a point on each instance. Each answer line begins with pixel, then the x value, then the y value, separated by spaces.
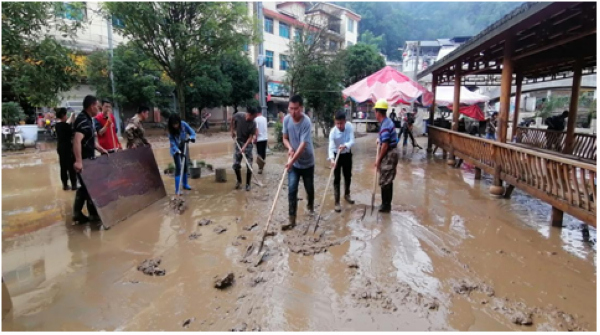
pixel 375 181
pixel 247 164
pixel 182 167
pixel 262 240
pixel 326 189
pixel 200 128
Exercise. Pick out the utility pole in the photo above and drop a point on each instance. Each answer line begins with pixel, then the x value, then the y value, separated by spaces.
pixel 116 112
pixel 416 67
pixel 261 63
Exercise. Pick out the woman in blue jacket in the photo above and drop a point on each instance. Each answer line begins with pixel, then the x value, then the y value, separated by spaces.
pixel 178 137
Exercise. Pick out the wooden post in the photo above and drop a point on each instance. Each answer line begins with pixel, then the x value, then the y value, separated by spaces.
pixel 557 217
pixel 505 82
pixel 570 139
pixel 431 112
pixel 515 122
pixel 455 107
pixel 477 173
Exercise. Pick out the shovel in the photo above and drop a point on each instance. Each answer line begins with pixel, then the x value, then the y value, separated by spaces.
pixel 325 194
pixel 200 128
pixel 255 180
pixel 264 235
pixel 374 183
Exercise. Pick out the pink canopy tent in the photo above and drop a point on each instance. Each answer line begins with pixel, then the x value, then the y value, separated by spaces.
pixel 391 85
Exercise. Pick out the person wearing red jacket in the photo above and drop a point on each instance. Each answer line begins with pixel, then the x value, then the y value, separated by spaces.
pixel 107 129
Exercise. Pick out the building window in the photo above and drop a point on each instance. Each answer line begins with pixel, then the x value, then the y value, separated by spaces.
pixel 73 11
pixel 284 30
pixel 298 35
pixel 117 22
pixel 246 48
pixel 269 59
pixel 333 45
pixel 349 44
pixel 283 62
pixel 310 39
pixel 350 25
pixel 269 25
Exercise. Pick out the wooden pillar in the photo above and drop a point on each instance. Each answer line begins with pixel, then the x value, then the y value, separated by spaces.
pixel 455 107
pixel 506 83
pixel 557 217
pixel 477 173
pixel 431 112
pixel 515 122
pixel 570 139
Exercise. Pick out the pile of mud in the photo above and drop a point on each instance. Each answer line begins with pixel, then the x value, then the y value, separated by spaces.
pixel 150 267
pixel 306 244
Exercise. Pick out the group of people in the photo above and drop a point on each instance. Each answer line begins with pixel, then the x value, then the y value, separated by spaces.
pixel 80 136
pixel 405 123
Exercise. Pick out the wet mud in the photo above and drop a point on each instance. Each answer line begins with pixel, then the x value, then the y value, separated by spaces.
pixel 448 257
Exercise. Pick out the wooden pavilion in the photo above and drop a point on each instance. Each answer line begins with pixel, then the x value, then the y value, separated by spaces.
pixel 536 42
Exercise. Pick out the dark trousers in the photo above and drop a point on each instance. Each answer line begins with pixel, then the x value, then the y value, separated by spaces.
pixel 83 197
pixel 261 149
pixel 65 158
pixel 344 164
pixel 308 178
pixel 407 131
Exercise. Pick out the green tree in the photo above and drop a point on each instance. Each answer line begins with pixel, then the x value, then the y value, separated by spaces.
pixel 182 37
pixel 551 104
pixel 12 113
pixel 361 60
pixel 367 37
pixel 243 77
pixel 138 80
pixel 322 87
pixel 35 67
pixel 210 88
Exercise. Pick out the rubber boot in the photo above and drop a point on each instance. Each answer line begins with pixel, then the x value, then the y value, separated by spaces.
pixel 248 179
pixel 77 207
pixel 186 186
pixel 291 224
pixel 261 165
pixel 177 179
pixel 238 175
pixel 310 208
pixel 336 195
pixel 94 217
pixel 347 195
pixel 386 199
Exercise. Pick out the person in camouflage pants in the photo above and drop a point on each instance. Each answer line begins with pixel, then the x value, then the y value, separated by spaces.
pixel 134 132
pixel 387 161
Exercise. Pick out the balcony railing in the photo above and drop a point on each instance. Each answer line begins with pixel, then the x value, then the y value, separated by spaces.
pixel 566 184
pixel 585 144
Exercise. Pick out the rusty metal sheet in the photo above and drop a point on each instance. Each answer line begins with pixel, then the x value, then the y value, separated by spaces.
pixel 123 183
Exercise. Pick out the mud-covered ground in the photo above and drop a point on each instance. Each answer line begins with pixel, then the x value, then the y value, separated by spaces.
pixel 449 256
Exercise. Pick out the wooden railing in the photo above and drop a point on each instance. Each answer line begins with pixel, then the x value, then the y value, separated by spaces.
pixel 585 144
pixel 566 184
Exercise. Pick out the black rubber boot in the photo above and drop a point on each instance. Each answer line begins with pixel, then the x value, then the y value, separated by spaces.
pixel 386 199
pixel 78 204
pixel 336 195
pixel 238 175
pixel 347 195
pixel 248 179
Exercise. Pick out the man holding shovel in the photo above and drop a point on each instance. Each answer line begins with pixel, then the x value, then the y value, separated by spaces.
pixel 387 160
pixel 243 132
pixel 106 128
pixel 341 140
pixel 297 138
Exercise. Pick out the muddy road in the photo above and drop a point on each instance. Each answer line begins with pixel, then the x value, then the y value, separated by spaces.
pixel 449 257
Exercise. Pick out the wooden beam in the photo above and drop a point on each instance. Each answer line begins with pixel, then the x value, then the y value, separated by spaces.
pixel 432 112
pixel 456 105
pixel 505 88
pixel 570 138
pixel 517 104
pixel 556 43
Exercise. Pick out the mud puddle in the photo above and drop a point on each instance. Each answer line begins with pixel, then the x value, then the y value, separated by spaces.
pixel 447 258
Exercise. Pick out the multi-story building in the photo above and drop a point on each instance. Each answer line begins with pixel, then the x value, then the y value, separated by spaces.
pixel 286 21
pixel 429 53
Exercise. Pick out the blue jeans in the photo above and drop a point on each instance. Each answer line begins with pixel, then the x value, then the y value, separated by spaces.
pixel 308 178
pixel 490 136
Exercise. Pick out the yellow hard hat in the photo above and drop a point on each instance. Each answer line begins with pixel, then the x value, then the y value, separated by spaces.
pixel 381 104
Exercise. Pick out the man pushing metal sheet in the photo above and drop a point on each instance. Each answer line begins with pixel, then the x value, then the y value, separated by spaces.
pixel 123 183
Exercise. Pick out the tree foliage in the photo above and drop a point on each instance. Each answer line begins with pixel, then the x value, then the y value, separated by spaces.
pixel 12 113
pixel 35 66
pixel 138 80
pixel 368 38
pixel 243 77
pixel 397 22
pixel 183 37
pixel 361 60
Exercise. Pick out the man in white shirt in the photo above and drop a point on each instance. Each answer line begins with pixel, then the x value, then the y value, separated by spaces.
pixel 341 140
pixel 261 140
